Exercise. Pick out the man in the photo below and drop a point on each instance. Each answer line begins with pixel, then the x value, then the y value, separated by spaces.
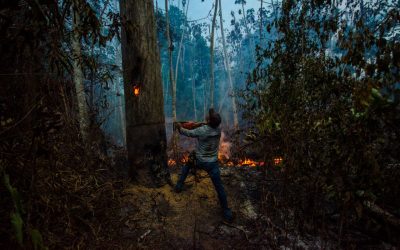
pixel 208 136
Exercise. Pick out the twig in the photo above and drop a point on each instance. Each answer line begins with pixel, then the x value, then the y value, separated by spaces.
pixel 238 228
pixel 144 235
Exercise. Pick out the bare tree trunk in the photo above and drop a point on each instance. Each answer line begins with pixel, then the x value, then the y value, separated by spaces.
pixel 174 83
pixel 171 72
pixel 252 43
pixel 193 92
pixel 78 73
pixel 145 123
pixel 172 80
pixel 261 20
pixel 228 70
pixel 205 102
pixel 212 55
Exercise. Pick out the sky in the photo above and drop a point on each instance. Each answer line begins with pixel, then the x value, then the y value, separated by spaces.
pixel 199 9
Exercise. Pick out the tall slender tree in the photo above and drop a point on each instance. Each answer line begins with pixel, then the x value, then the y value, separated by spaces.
pixel 78 76
pixel 228 70
pixel 144 105
pixel 177 65
pixel 212 54
pixel 170 49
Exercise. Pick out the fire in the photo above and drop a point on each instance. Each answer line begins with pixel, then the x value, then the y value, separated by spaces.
pixel 248 162
pixel 171 162
pixel 183 160
pixel 278 160
pixel 136 90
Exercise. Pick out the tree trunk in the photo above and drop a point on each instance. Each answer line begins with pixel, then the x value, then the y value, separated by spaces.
pixel 212 55
pixel 252 43
pixel 177 67
pixel 171 72
pixel 228 70
pixel 193 90
pixel 144 109
pixel 78 77
pixel 261 20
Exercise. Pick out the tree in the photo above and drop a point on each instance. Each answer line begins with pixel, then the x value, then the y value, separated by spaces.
pixel 228 70
pixel 321 101
pixel 145 124
pixel 180 48
pixel 212 55
pixel 78 76
pixel 171 72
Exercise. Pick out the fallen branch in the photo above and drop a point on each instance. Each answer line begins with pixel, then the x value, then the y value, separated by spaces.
pixel 388 217
pixel 141 238
pixel 238 228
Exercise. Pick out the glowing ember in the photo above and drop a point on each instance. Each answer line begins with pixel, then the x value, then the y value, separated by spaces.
pixel 248 162
pixel 185 158
pixel 171 163
pixel 136 90
pixel 229 164
pixel 278 160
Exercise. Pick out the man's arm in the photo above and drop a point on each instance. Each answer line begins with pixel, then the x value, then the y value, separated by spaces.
pixel 193 132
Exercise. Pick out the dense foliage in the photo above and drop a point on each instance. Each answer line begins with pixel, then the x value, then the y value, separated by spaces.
pixel 325 96
pixel 57 190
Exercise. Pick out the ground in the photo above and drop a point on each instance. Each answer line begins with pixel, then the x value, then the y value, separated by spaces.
pixel 159 218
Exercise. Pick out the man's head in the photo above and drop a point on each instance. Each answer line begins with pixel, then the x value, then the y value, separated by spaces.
pixel 213 118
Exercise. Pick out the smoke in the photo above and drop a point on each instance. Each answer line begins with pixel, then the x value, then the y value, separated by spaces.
pixel 224 153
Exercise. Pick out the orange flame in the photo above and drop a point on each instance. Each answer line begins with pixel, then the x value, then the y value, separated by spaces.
pixel 248 162
pixel 136 90
pixel 278 160
pixel 171 162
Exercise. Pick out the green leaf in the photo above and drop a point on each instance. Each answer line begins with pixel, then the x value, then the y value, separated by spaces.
pixel 37 240
pixel 17 224
pixel 376 94
pixel 14 194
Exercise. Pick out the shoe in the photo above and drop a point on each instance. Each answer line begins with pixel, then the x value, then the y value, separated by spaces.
pixel 228 217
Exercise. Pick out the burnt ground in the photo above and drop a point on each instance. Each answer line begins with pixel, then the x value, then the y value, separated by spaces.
pixel 158 218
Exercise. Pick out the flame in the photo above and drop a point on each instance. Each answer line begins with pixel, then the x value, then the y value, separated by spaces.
pixel 248 162
pixel 185 158
pixel 136 90
pixel 278 160
pixel 171 162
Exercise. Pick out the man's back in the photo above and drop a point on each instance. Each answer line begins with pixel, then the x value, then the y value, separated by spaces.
pixel 208 142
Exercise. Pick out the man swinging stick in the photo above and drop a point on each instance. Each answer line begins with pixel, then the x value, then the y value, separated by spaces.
pixel 208 136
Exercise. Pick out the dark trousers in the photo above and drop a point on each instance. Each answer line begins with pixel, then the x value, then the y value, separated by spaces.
pixel 212 169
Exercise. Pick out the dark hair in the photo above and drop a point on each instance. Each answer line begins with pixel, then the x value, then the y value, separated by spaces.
pixel 214 118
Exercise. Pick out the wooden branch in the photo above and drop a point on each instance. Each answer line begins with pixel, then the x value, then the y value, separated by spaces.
pixel 385 215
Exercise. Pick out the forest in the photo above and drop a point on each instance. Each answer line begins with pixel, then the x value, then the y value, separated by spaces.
pixel 294 106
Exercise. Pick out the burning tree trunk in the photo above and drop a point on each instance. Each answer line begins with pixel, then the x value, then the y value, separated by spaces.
pixel 145 125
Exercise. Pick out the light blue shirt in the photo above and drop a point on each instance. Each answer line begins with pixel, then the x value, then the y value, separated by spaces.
pixel 207 142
